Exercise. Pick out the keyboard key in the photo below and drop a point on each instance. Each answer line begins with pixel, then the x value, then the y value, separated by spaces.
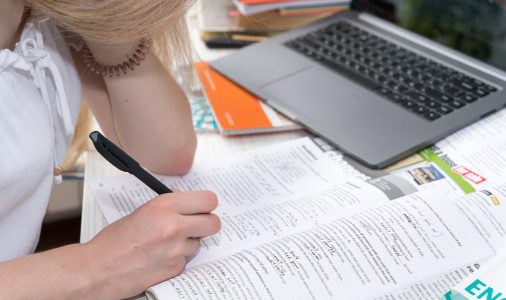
pixel 444 110
pixel 481 93
pixel 469 98
pixel 395 97
pixel 400 88
pixel 456 104
pixel 431 116
pixel 414 74
pixel 451 90
pixel 467 86
pixel 390 83
pixel 421 110
pixel 489 88
pixel 435 82
pixel 362 70
pixel 417 97
pixel 419 86
pixel 380 79
pixel 409 104
pixel 438 95
pixel 408 81
pixel 384 91
pixel 310 42
pixel 433 104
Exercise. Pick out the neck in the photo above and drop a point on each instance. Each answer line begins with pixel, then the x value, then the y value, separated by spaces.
pixel 11 13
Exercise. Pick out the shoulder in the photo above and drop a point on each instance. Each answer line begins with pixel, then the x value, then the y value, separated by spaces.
pixel 16 79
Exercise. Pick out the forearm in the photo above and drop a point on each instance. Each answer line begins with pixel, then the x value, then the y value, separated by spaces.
pixel 63 273
pixel 151 114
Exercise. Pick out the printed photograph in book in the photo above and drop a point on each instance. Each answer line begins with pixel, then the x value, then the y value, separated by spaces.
pixel 423 175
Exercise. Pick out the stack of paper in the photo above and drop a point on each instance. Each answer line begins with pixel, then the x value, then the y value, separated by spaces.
pixel 224 23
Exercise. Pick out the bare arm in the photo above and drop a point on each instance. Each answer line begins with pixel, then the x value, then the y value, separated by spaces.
pixel 145 111
pixel 124 259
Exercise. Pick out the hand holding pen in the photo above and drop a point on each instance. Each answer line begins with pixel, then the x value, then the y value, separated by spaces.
pixel 151 244
pixel 125 162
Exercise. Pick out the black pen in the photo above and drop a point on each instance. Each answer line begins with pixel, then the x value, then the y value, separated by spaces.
pixel 125 162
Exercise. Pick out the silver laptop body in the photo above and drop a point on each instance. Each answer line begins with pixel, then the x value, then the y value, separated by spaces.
pixel 356 118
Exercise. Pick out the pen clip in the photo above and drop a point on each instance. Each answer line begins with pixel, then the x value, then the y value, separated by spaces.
pixel 103 147
pixel 124 162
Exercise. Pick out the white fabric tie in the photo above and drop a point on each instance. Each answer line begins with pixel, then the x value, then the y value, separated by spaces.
pixel 34 53
pixel 39 61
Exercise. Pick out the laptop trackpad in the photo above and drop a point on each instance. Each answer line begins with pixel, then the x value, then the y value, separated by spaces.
pixel 319 96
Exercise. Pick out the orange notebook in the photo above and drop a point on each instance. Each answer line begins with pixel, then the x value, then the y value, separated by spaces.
pixel 236 110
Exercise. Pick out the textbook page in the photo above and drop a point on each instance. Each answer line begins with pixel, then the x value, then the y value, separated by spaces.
pixel 487 212
pixel 251 213
pixel 255 177
pixel 369 253
pixel 291 168
pixel 477 152
pixel 263 194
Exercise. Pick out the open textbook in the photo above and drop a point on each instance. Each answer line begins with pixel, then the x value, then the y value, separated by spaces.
pixel 296 227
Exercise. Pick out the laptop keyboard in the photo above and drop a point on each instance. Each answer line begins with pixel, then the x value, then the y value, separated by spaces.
pixel 415 82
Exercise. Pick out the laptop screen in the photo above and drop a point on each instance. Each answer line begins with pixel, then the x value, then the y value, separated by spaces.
pixel 474 27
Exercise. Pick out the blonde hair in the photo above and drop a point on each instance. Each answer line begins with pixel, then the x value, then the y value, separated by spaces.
pixel 116 22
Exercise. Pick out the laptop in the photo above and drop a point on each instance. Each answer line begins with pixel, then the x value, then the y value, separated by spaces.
pixel 385 78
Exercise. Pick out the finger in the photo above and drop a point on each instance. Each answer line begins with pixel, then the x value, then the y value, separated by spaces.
pixel 192 246
pixel 191 203
pixel 201 225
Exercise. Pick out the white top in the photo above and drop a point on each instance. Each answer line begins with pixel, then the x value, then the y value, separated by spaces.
pixel 40 96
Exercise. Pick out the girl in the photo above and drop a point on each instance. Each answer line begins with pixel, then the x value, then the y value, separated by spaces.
pixel 139 106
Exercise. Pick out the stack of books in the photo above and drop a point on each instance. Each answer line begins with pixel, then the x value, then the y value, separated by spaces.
pixel 235 110
pixel 236 23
